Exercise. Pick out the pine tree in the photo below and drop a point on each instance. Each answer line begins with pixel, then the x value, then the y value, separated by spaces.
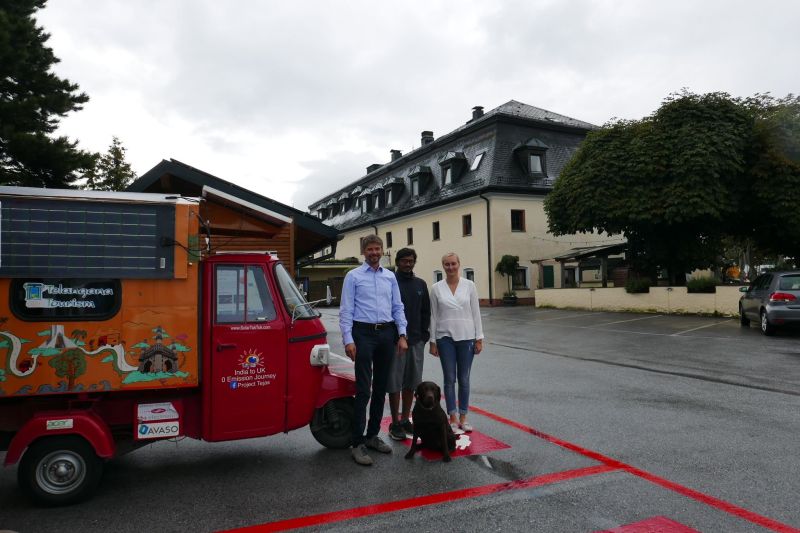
pixel 112 172
pixel 32 101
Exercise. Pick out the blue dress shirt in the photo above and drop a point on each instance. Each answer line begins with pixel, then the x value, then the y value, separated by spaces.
pixel 371 296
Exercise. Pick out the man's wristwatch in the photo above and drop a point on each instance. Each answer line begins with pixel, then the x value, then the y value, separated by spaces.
pixel 404 336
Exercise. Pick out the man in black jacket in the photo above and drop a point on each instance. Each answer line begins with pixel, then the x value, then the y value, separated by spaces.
pixel 405 372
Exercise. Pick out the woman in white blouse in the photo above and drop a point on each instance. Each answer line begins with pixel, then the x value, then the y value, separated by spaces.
pixel 456 336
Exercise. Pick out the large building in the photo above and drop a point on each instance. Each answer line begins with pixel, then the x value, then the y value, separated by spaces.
pixel 477 191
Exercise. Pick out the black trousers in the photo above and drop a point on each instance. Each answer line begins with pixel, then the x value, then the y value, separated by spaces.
pixel 374 352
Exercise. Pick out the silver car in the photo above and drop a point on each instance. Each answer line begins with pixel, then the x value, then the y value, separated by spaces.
pixel 773 299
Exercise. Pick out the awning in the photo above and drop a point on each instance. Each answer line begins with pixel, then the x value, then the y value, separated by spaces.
pixel 584 252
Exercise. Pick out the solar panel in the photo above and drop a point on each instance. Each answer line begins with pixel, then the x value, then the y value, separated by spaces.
pixel 72 238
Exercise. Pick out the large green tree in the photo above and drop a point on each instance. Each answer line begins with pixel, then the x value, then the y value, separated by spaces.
pixel 32 101
pixel 700 168
pixel 769 213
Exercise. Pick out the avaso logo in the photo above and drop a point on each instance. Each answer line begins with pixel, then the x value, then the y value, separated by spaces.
pixel 159 430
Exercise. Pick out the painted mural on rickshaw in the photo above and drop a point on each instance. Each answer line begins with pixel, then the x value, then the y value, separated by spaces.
pixel 55 358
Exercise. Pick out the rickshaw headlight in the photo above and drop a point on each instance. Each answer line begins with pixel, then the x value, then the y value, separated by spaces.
pixel 320 354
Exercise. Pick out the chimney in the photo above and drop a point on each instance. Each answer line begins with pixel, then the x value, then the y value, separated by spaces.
pixel 396 154
pixel 373 167
pixel 427 137
pixel 477 112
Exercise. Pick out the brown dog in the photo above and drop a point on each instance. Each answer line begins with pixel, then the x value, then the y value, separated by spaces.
pixel 431 424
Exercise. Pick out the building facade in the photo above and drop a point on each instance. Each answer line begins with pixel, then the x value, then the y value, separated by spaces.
pixel 478 191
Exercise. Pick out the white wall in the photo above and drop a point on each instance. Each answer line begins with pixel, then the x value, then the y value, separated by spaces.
pixel 659 300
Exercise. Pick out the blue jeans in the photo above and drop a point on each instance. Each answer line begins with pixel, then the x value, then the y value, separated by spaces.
pixel 456 358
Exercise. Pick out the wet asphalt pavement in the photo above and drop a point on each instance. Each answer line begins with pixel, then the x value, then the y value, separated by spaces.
pixel 607 419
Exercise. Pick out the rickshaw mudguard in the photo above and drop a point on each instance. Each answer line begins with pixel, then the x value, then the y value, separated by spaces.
pixel 335 386
pixel 83 423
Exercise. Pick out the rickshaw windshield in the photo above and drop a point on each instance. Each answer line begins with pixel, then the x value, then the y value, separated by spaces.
pixel 292 297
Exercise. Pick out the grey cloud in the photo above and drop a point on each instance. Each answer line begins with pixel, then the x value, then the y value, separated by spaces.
pixel 329 175
pixel 382 72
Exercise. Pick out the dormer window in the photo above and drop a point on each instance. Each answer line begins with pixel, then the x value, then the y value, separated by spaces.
pixel 531 156
pixel 343 201
pixel 364 203
pixel 376 199
pixel 355 196
pixel 391 190
pixel 453 165
pixel 420 176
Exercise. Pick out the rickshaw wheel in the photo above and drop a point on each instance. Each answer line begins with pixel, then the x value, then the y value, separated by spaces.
pixel 60 470
pixel 332 425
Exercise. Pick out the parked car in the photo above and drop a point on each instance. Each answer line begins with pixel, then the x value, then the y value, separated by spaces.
pixel 773 299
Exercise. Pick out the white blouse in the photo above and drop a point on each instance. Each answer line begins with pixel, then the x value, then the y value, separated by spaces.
pixel 458 315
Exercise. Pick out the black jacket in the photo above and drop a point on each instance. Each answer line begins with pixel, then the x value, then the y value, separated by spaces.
pixel 414 293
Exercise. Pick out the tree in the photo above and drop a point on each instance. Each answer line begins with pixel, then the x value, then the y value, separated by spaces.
pixel 769 214
pixel 678 181
pixel 111 172
pixel 32 101
pixel 507 266
pixel 69 364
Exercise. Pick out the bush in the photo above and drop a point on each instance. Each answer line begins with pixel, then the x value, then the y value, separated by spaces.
pixel 638 285
pixel 706 285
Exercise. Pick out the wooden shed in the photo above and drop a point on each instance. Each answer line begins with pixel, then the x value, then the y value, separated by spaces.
pixel 241 219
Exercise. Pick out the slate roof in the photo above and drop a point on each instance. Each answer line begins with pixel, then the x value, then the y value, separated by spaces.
pixel 495 134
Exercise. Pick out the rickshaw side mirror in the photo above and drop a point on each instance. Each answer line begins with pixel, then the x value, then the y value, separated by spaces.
pixel 304 304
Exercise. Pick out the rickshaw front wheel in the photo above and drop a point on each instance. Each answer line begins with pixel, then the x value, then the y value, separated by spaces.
pixel 332 425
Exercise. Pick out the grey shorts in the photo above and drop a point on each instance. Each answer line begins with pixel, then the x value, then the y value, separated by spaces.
pixel 405 371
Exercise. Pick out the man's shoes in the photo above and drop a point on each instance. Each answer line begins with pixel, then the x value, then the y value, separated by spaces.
pixel 407 426
pixel 360 455
pixel 396 431
pixel 375 443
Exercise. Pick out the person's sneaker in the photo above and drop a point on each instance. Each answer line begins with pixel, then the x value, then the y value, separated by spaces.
pixel 396 431
pixel 360 455
pixel 456 429
pixel 407 426
pixel 375 443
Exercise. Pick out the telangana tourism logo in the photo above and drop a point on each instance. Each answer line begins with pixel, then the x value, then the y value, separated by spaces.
pixel 45 296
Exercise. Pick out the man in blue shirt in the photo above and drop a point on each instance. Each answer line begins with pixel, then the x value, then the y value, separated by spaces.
pixel 373 324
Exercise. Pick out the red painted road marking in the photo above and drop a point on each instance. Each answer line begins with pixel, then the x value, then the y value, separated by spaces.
pixel 711 501
pixel 421 501
pixel 657 524
pixel 478 443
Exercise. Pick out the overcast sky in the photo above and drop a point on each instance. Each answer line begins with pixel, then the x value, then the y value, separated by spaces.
pixel 294 99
